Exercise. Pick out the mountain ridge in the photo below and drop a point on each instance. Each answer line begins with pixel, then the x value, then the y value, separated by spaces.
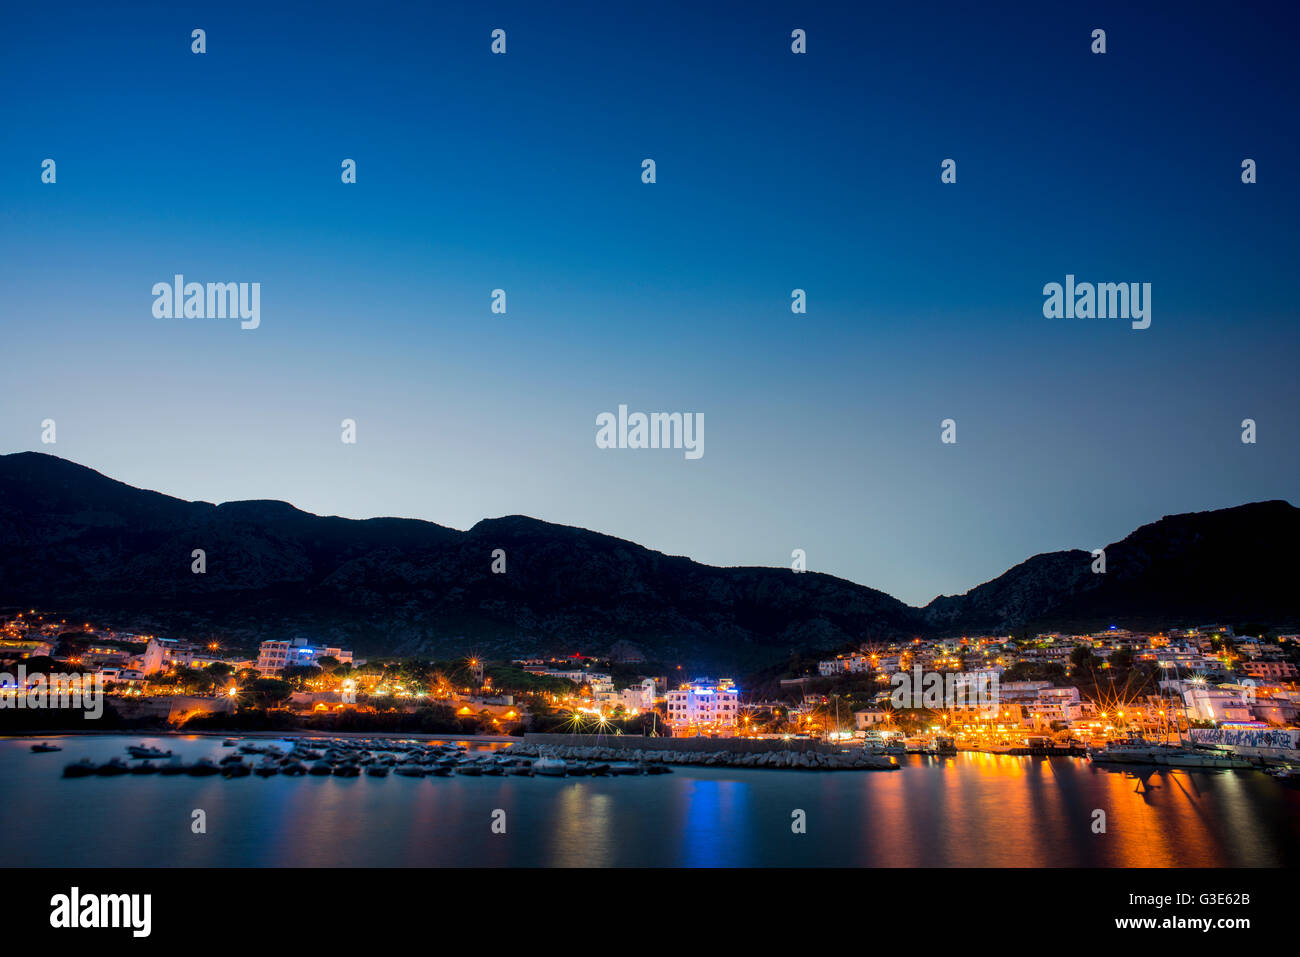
pixel 80 541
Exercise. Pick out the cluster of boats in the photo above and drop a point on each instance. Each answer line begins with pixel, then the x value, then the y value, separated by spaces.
pixel 1138 751
pixel 876 743
pixel 350 759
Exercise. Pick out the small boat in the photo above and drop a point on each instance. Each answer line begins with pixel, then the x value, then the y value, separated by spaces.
pixel 293 768
pixel 523 770
pixel 347 771
pixel 266 769
pixel 409 770
pixel 231 759
pixel 473 770
pixel 145 767
pixel 202 768
pixel 45 748
pixel 624 767
pixel 576 769
pixel 229 743
pixel 240 770
pixel 377 770
pixel 83 768
pixel 320 769
pixel 440 772
pixel 113 767
pixel 550 767
pixel 144 751
pixel 658 769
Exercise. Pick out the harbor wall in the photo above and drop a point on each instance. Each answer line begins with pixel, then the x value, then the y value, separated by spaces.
pixel 639 741
pixel 1252 742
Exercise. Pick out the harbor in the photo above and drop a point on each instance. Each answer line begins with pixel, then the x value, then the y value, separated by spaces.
pixel 964 809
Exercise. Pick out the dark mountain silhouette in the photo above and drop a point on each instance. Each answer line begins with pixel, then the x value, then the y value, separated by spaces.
pixel 76 541
pixel 1227 566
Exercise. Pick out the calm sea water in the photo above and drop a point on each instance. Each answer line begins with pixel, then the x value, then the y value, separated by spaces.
pixel 968 810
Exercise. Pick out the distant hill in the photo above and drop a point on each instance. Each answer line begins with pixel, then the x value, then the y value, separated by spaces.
pixel 74 540
pixel 1230 565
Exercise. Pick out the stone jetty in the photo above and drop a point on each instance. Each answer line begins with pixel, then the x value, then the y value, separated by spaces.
pixel 793 760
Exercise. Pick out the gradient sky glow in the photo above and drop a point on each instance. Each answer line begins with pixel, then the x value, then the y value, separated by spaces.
pixel 775 171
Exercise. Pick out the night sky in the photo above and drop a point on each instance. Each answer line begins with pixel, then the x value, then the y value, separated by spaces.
pixel 775 171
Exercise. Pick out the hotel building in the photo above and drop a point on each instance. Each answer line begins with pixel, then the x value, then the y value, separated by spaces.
pixel 275 655
pixel 703 708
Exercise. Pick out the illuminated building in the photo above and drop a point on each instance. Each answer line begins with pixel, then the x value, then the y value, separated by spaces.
pixel 274 655
pixel 703 707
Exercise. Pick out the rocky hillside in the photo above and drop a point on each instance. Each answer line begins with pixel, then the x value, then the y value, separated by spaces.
pixel 73 540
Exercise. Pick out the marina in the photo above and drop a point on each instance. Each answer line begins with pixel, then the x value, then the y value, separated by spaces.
pixel 962 809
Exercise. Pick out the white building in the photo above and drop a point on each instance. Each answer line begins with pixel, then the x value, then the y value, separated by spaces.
pixel 1207 703
pixel 274 655
pixel 639 697
pixel 844 664
pixel 704 708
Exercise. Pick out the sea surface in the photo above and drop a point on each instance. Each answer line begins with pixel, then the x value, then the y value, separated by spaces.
pixel 967 810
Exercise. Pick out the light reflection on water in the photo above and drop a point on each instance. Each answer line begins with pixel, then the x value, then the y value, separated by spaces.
pixel 966 810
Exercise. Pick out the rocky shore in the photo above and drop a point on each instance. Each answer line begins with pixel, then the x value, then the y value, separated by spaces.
pixel 797 760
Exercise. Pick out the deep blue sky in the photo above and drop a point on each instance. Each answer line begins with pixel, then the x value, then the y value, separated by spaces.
pixel 775 171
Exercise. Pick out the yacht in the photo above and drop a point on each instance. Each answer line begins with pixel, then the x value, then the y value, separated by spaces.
pixel 1135 750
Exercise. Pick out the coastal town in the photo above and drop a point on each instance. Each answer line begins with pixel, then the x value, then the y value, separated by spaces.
pixel 1051 693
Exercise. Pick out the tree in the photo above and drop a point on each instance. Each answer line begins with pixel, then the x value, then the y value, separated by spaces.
pixel 265 693
pixel 1083 659
pixel 298 675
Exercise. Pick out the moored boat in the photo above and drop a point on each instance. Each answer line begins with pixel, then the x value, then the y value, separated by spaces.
pixel 550 767
pixel 45 748
pixel 1137 751
pixel 80 769
pixel 145 751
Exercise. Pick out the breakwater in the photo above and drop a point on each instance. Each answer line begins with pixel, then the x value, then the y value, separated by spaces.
pixel 721 754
